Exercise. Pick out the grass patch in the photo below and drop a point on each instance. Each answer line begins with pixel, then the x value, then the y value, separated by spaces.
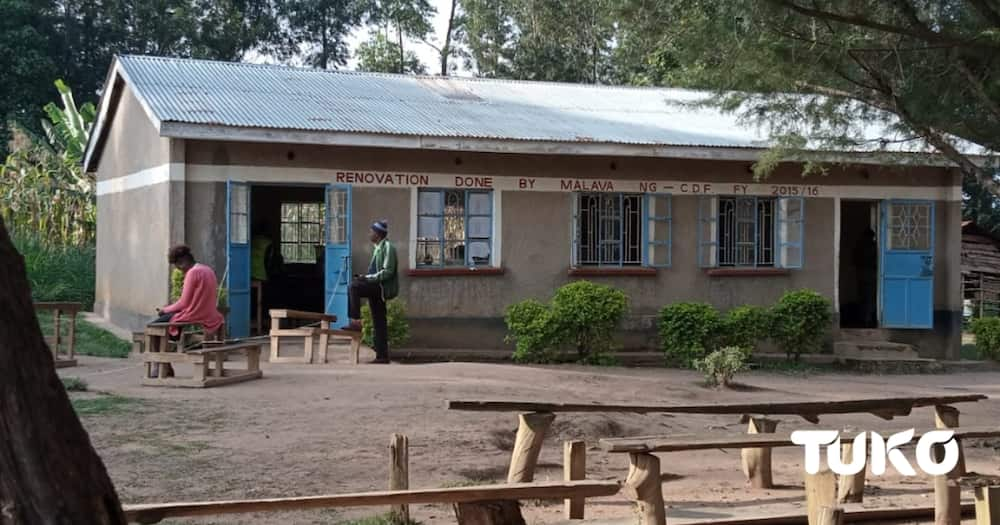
pixel 101 405
pixel 58 273
pixel 381 519
pixel 74 384
pixel 90 340
pixel 969 352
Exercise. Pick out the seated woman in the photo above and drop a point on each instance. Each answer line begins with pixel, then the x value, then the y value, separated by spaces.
pixel 199 296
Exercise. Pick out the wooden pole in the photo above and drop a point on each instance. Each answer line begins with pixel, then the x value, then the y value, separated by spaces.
pixel 988 505
pixel 831 516
pixel 644 486
pixel 851 487
pixel 531 431
pixel 947 417
pixel 947 495
pixel 757 461
pixel 399 473
pixel 821 491
pixel 574 468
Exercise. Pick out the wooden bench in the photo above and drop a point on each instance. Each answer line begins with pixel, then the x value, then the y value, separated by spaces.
pixel 536 419
pixel 822 489
pixel 321 333
pixel 468 497
pixel 63 357
pixel 200 359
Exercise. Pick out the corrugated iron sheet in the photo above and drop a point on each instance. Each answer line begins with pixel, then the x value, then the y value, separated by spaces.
pixel 267 96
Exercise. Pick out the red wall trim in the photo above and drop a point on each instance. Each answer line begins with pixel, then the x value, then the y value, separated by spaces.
pixel 453 272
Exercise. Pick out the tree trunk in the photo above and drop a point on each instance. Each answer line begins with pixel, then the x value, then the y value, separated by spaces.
pixel 446 49
pixel 402 55
pixel 49 472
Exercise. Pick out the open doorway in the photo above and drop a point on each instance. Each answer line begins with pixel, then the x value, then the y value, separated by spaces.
pixel 287 255
pixel 859 262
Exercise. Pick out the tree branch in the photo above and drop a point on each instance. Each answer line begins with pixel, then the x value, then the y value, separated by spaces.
pixel 988 11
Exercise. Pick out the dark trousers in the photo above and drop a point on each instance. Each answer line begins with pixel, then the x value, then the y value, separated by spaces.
pixel 360 289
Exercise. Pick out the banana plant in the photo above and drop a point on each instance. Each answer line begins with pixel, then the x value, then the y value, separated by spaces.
pixel 68 128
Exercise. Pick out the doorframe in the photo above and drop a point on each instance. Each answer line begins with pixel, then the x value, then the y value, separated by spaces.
pixel 875 223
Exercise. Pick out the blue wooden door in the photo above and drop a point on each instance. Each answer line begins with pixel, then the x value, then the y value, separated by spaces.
pixel 907 266
pixel 337 255
pixel 238 257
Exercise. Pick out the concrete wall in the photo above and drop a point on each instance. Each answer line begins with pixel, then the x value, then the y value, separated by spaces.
pixel 135 227
pixel 466 311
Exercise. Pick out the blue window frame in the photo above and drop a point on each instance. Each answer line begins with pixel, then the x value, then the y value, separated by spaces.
pixel 621 229
pixel 750 232
pixel 454 228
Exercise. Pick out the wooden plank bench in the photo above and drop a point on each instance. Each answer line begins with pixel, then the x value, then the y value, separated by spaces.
pixel 536 418
pixel 200 359
pixel 156 512
pixel 322 333
pixel 644 478
pixel 62 357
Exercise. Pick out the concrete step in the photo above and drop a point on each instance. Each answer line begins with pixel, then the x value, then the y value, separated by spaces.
pixel 863 334
pixel 875 350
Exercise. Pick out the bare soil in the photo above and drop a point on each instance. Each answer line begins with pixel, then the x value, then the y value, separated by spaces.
pixel 313 429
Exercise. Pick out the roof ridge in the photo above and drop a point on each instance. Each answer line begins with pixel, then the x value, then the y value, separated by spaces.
pixel 352 72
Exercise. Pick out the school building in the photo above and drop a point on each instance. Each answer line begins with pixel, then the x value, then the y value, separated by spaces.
pixel 497 191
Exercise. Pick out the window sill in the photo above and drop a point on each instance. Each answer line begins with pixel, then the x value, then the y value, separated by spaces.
pixel 612 272
pixel 746 272
pixel 453 272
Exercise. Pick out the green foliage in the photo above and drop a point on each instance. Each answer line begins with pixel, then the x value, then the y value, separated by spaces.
pixel 317 30
pixel 74 384
pixel 90 339
pixel 721 365
pixel 382 519
pixel 801 320
pixel 68 128
pixel 58 273
pixel 582 316
pixel 587 315
pixel 746 326
pixel 380 55
pixel 987 332
pixel 398 326
pixel 533 331
pixel 688 331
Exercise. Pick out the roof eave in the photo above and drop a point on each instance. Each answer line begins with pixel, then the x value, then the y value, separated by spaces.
pixel 220 132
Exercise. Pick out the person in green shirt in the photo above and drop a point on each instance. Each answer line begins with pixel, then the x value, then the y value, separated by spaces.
pixel 379 285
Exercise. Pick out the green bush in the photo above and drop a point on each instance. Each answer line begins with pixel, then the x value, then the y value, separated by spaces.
pixel 746 326
pixel 688 331
pixel 57 272
pixel 801 321
pixel 398 326
pixel 987 332
pixel 533 331
pixel 721 365
pixel 587 315
pixel 582 316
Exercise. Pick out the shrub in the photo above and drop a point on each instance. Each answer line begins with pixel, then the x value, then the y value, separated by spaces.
pixel 688 331
pixel 74 384
pixel 535 335
pixel 987 332
pixel 746 326
pixel 721 365
pixel 398 326
pixel 58 272
pixel 801 321
pixel 587 315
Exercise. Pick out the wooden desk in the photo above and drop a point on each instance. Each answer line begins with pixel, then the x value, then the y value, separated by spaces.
pixel 204 376
pixel 323 332
pixel 67 357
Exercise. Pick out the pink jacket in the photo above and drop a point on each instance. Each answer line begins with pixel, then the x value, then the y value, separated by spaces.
pixel 199 301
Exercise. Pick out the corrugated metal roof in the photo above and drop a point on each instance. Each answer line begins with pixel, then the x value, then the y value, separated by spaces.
pixel 279 97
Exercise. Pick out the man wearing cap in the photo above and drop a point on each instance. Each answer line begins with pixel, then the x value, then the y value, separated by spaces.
pixel 379 285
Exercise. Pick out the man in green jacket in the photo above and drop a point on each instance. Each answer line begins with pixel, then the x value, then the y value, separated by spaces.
pixel 379 285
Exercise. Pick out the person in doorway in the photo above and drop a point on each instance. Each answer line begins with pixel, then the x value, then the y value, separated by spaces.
pixel 199 296
pixel 866 266
pixel 379 285
pixel 265 261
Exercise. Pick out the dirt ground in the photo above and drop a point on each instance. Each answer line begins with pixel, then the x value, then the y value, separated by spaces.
pixel 313 429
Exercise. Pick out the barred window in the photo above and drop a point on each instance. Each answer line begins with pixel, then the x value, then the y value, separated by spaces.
pixel 301 231
pixel 608 229
pixel 454 228
pixel 746 231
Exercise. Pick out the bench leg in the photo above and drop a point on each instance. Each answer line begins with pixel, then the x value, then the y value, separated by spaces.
pixel 58 337
pixel 757 461
pixel 307 344
pixel 947 417
pixel 851 487
pixel 324 341
pixel 275 342
pixel 644 486
pixel 574 469
pixel 821 491
pixel 219 360
pixel 987 505
pixel 253 359
pixel 200 369
pixel 531 431
pixel 72 336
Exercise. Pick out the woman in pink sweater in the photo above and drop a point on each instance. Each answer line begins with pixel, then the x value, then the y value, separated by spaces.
pixel 199 297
